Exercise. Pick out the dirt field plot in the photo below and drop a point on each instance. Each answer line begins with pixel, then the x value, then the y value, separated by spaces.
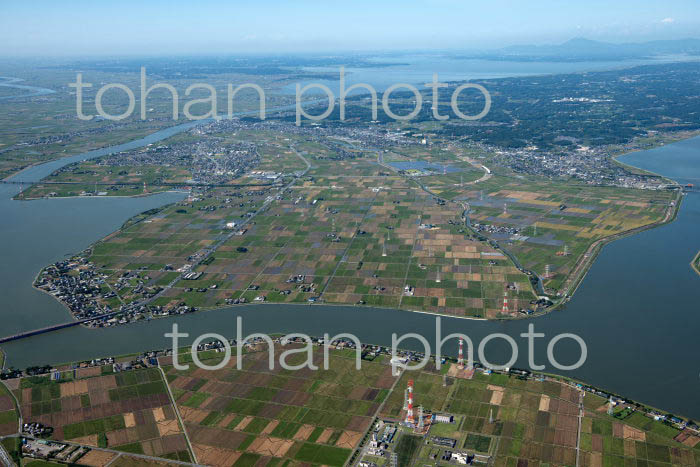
pixel 127 411
pixel 8 414
pixel 307 416
pixel 528 422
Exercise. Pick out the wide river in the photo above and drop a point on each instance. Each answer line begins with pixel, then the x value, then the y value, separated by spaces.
pixel 637 309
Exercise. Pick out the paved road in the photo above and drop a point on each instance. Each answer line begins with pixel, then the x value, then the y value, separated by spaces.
pixel 228 236
pixel 375 415
pixel 177 412
pixel 539 288
pixel 5 457
pixel 575 278
pixel 580 421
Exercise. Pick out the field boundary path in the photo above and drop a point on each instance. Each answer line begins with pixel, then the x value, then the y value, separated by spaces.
pixel 228 236
pixel 177 413
pixel 581 411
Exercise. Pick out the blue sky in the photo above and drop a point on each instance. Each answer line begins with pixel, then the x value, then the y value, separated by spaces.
pixel 60 27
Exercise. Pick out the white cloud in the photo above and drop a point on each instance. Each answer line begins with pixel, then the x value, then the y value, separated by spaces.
pixel 668 20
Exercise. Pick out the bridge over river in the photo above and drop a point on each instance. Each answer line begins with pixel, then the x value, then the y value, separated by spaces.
pixel 55 327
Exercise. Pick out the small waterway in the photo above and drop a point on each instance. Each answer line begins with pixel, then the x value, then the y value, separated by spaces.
pixel 637 309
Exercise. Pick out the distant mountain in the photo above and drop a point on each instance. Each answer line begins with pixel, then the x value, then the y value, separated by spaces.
pixel 580 49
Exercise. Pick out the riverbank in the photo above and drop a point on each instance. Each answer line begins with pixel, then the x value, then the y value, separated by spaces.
pixel 594 250
pixel 212 350
pixel 585 262
pixel 140 195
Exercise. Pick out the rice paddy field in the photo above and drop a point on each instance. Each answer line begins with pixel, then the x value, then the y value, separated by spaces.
pixel 257 416
pixel 550 225
pixel 94 179
pixel 358 241
pixel 260 415
pixel 528 422
pixel 8 413
pixel 357 231
pixel 128 411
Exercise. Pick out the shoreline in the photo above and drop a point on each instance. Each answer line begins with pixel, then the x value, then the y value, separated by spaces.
pixel 277 336
pixel 70 314
pixel 588 258
pixel 140 195
pixel 585 263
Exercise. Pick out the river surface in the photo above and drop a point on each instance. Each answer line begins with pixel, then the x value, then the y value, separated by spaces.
pixel 637 309
pixel 29 91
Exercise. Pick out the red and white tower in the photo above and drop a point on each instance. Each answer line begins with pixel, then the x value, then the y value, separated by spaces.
pixel 409 412
pixel 460 359
pixel 505 302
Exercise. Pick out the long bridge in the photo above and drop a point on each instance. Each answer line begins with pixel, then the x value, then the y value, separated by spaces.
pixel 55 327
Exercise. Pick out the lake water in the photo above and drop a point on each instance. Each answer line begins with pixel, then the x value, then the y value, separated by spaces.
pixel 418 69
pixel 637 309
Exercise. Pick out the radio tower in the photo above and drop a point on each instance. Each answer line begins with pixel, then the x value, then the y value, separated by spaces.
pixel 460 359
pixel 420 418
pixel 437 279
pixel 610 406
pixel 505 302
pixel 547 271
pixel 505 208
pixel 410 419
pixel 405 399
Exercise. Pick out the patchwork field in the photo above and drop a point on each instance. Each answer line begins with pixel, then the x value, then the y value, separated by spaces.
pixel 258 416
pixel 127 411
pixel 8 413
pixel 550 225
pixel 358 243
pixel 362 230
pixel 91 178
pixel 263 417
pixel 527 422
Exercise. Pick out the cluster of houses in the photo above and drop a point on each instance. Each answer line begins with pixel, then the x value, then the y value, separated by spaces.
pixel 76 283
pixel 37 430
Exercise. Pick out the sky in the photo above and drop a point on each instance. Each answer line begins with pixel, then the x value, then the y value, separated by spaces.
pixel 137 27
